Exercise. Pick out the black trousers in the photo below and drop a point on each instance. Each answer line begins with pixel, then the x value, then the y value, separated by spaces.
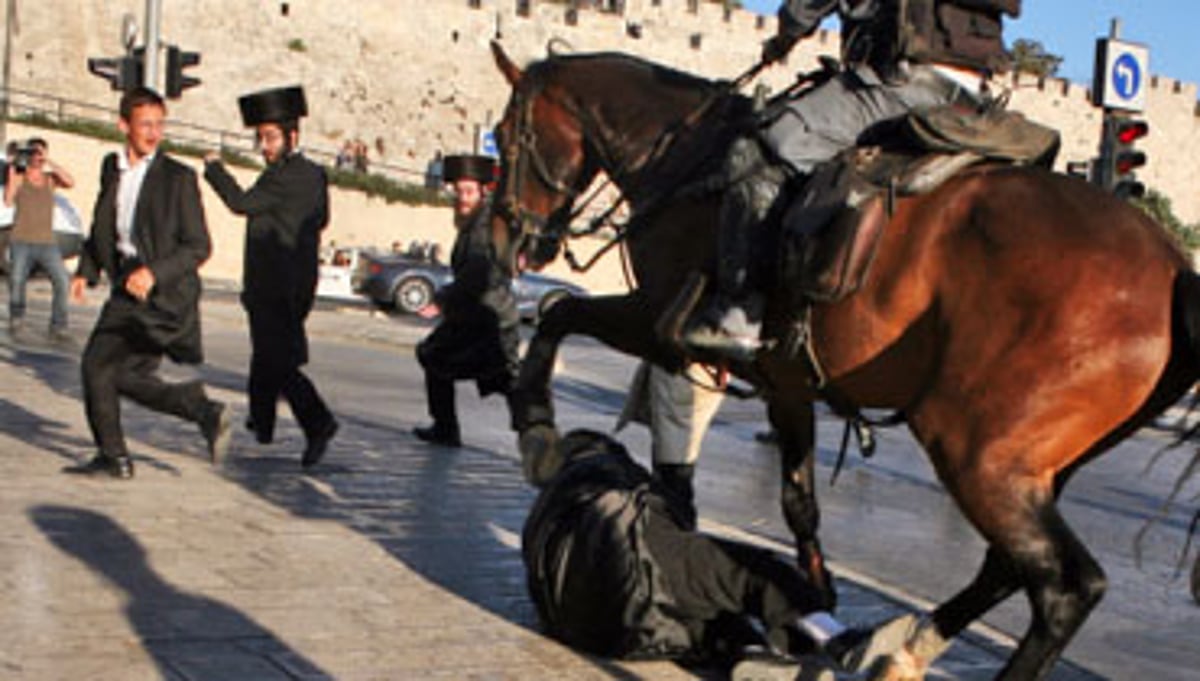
pixel 278 349
pixel 466 350
pixel 117 363
pixel 714 582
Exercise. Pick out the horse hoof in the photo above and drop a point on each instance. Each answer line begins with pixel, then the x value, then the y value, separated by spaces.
pixel 896 668
pixel 540 458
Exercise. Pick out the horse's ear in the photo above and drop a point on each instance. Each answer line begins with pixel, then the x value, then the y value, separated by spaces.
pixel 510 70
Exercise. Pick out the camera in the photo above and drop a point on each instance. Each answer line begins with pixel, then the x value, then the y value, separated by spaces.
pixel 21 156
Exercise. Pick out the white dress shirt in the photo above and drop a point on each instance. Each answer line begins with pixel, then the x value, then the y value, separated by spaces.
pixel 129 188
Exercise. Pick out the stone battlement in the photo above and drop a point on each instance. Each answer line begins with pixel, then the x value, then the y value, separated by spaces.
pixel 414 78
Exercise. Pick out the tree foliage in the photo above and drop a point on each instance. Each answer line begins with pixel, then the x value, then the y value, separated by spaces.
pixel 1030 56
pixel 1158 206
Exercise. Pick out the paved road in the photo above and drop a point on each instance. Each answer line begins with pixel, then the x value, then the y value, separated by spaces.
pixel 397 560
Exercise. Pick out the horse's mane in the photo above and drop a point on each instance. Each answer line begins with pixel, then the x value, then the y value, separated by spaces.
pixel 631 102
pixel 622 67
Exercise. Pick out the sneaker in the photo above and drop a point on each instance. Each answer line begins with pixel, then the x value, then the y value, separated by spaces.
pixel 60 334
pixel 857 650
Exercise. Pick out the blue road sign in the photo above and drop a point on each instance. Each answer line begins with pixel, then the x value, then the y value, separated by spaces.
pixel 487 144
pixel 1127 76
pixel 1121 72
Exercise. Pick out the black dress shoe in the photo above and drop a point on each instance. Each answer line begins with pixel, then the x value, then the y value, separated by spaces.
pixel 438 435
pixel 263 438
pixel 314 451
pixel 217 431
pixel 117 466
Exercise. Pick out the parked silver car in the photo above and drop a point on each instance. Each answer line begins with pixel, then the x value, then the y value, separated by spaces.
pixel 410 284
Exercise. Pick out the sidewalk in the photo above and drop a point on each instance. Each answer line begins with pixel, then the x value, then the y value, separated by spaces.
pixel 393 561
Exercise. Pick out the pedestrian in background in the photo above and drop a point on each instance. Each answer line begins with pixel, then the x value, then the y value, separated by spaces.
pixel 477 338
pixel 32 180
pixel 149 237
pixel 286 210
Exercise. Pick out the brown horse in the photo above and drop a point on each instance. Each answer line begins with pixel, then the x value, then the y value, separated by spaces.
pixel 1023 322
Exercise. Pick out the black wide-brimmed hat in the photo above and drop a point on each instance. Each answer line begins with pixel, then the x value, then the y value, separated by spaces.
pixel 468 167
pixel 273 106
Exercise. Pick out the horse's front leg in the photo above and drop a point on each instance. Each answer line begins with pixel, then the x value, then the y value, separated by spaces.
pixel 794 422
pixel 622 322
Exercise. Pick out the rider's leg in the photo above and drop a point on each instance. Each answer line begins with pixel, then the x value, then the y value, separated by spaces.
pixel 731 323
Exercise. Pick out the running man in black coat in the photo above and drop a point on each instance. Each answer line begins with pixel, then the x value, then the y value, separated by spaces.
pixel 149 237
pixel 286 210
pixel 477 338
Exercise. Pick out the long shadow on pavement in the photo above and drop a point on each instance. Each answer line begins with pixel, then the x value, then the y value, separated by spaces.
pixel 188 636
pixel 453 516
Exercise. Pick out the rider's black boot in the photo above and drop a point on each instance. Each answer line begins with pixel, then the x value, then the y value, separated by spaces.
pixel 676 479
pixel 731 322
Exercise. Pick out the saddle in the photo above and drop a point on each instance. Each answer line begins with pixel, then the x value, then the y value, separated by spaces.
pixel 830 231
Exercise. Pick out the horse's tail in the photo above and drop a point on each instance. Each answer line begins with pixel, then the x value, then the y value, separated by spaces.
pixel 1186 304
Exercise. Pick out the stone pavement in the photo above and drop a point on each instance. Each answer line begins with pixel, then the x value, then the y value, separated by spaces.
pixel 393 560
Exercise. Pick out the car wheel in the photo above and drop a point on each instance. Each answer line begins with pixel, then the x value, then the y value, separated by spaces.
pixel 412 295
pixel 550 300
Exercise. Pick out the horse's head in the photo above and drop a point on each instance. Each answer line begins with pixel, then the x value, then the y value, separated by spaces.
pixel 544 164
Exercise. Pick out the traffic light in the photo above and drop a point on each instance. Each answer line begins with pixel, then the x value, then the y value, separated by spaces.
pixel 177 61
pixel 122 73
pixel 1122 159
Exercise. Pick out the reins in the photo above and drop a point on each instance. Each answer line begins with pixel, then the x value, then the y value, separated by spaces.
pixel 531 225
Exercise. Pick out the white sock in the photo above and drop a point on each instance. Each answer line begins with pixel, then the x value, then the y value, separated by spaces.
pixel 821 626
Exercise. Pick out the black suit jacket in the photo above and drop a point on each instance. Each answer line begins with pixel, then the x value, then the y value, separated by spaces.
pixel 172 239
pixel 286 210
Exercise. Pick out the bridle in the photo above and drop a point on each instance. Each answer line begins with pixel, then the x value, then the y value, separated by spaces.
pixel 522 151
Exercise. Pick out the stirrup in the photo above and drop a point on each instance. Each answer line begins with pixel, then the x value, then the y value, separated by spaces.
pixel 716 341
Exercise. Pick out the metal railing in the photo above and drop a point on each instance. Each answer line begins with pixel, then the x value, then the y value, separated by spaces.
pixel 61 110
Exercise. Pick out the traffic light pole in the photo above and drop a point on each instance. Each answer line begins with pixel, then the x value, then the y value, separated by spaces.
pixel 153 34
pixel 10 17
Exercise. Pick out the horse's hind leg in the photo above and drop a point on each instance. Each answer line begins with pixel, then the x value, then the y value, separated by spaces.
pixel 995 581
pixel 1031 547
pixel 794 423
pixel 1063 581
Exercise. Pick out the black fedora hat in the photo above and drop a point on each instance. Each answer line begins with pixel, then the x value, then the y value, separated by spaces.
pixel 273 106
pixel 468 167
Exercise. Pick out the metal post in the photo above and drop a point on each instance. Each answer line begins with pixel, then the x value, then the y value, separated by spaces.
pixel 10 15
pixel 153 29
pixel 1114 28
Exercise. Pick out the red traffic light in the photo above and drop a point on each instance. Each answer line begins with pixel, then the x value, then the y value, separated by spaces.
pixel 1127 161
pixel 1129 132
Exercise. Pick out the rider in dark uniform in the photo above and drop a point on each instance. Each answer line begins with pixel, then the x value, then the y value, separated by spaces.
pixel 939 52
pixel 477 338
pixel 285 211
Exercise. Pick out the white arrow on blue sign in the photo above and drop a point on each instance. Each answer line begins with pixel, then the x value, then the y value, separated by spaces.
pixel 1124 69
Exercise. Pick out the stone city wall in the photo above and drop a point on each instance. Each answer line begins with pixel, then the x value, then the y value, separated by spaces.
pixel 415 77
